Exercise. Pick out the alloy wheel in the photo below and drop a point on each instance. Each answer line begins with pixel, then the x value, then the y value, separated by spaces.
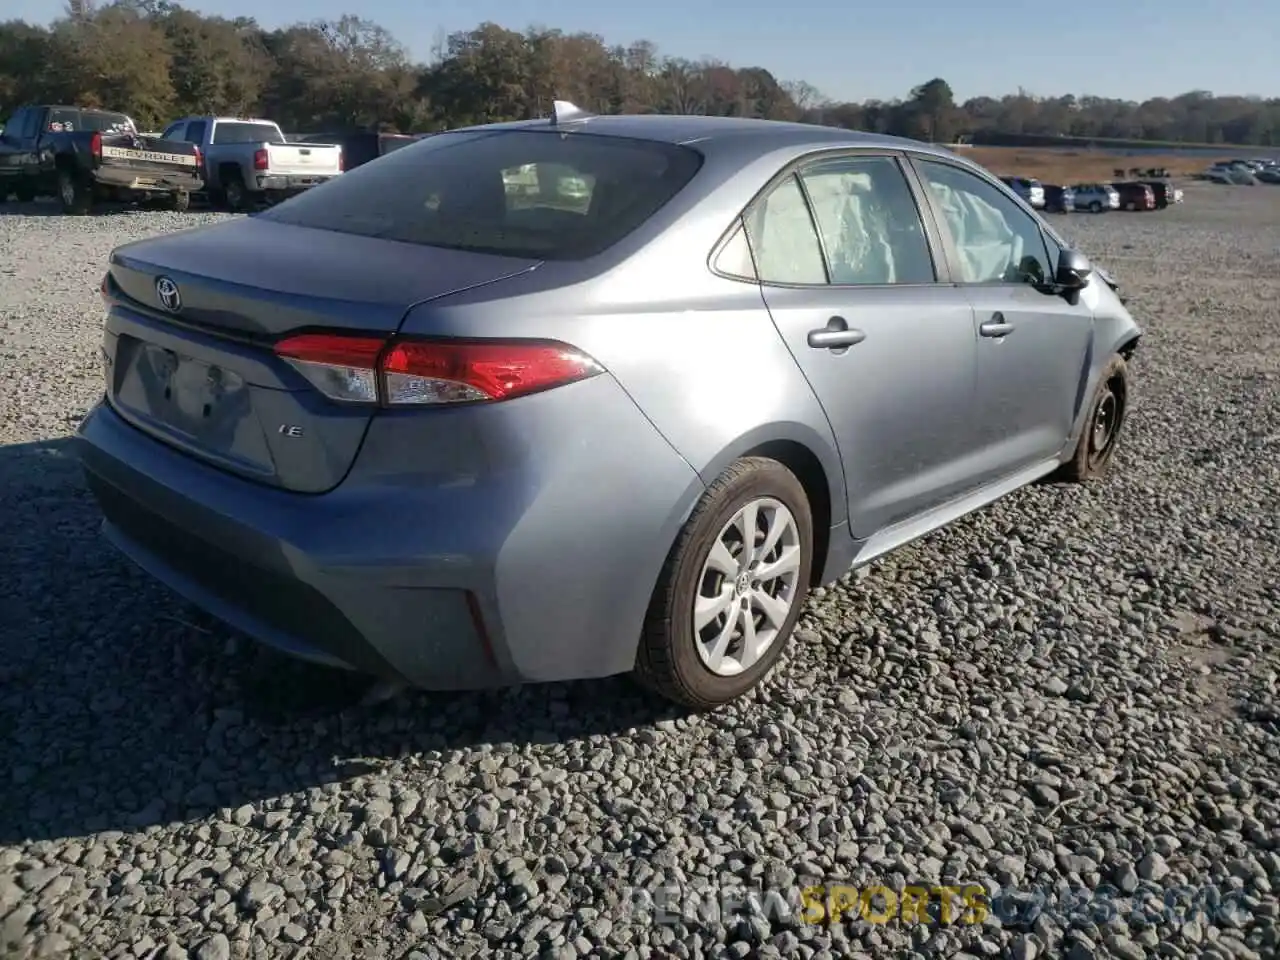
pixel 747 587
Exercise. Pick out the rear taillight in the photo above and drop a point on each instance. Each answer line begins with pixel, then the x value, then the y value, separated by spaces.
pixel 259 159
pixel 95 145
pixel 342 161
pixel 198 156
pixel 401 373
pixel 104 288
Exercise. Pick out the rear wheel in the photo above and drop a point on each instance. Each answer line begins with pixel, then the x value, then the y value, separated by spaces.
pixel 1095 207
pixel 732 589
pixel 75 192
pixel 237 197
pixel 1100 436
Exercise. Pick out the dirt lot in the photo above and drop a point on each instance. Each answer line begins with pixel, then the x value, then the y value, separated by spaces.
pixel 1080 166
pixel 1073 690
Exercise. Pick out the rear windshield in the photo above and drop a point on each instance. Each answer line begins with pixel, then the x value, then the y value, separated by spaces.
pixel 97 120
pixel 240 132
pixel 523 193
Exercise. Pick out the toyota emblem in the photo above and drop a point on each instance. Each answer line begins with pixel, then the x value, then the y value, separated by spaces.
pixel 167 291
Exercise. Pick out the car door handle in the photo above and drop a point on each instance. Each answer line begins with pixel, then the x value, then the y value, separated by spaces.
pixel 997 326
pixel 836 335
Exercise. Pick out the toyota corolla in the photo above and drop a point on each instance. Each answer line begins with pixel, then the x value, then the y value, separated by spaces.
pixel 618 418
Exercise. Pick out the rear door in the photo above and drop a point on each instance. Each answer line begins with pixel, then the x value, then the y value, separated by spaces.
pixel 848 273
pixel 1033 345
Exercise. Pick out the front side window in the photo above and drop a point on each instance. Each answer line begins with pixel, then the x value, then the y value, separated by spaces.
pixel 783 238
pixel 870 226
pixel 524 193
pixel 995 240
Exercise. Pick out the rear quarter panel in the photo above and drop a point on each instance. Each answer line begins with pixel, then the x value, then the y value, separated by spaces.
pixel 697 353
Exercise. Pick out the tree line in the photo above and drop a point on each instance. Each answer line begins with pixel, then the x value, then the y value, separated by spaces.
pixel 158 60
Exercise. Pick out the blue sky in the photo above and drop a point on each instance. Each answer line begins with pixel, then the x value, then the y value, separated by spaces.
pixel 1126 48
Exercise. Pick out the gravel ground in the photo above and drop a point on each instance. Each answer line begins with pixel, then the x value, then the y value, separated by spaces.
pixel 1074 688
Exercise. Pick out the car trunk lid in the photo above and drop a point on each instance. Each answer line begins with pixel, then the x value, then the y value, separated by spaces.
pixel 193 318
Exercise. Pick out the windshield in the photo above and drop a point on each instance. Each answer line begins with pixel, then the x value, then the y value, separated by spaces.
pixel 237 131
pixel 523 193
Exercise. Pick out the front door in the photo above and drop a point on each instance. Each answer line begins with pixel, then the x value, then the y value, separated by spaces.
pixel 15 155
pixel 848 273
pixel 1033 345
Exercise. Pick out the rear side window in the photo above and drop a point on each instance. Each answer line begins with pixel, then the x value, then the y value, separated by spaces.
pixel 196 130
pixel 522 193
pixel 93 120
pixel 59 121
pixel 871 229
pixel 783 238
pixel 236 131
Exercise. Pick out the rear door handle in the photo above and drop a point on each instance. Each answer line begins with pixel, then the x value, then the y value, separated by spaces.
pixel 836 335
pixel 997 326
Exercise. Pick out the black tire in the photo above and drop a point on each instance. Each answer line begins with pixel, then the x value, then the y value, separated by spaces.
pixel 1096 448
pixel 668 662
pixel 180 201
pixel 74 192
pixel 234 194
pixel 1095 207
pixel 24 194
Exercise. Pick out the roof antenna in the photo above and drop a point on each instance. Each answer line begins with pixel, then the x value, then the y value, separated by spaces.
pixel 562 111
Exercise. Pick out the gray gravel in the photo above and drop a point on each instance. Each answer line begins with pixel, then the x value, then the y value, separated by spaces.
pixel 1075 688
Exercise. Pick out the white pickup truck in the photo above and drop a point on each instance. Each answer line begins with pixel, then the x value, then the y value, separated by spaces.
pixel 248 161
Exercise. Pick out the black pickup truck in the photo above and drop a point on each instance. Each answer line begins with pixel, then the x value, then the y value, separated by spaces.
pixel 83 156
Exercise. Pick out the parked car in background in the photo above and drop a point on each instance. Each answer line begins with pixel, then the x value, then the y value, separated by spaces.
pixel 1059 199
pixel 1230 172
pixel 422 425
pixel 1166 194
pixel 1028 189
pixel 83 156
pixel 1096 197
pixel 359 147
pixel 249 161
pixel 1269 174
pixel 1135 196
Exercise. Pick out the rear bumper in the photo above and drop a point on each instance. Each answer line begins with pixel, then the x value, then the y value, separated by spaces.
pixel 146 180
pixel 278 184
pixel 541 575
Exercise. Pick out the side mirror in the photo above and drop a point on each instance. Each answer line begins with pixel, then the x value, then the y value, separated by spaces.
pixel 1074 270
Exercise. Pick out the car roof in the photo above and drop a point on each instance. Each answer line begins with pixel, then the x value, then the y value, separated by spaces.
pixel 208 116
pixel 68 106
pixel 715 134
